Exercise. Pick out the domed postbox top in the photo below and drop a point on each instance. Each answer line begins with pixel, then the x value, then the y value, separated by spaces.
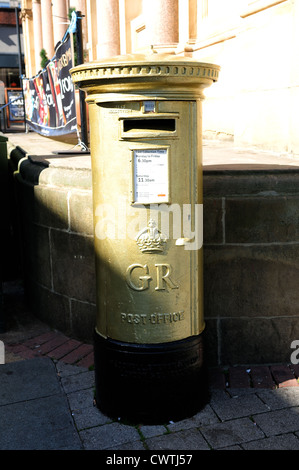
pixel 143 71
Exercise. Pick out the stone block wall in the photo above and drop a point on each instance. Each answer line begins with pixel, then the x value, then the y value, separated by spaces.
pixel 55 206
pixel 251 255
pixel 251 270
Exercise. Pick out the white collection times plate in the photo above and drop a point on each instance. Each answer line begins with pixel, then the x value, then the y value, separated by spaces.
pixel 150 176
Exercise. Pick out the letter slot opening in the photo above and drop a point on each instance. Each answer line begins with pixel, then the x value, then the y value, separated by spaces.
pixel 149 125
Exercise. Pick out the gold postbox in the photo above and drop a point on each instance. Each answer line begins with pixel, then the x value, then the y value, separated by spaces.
pixel 145 139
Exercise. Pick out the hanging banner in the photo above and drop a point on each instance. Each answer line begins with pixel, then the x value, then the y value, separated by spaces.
pixel 50 95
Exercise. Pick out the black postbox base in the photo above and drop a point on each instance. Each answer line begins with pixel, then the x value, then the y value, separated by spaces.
pixel 152 383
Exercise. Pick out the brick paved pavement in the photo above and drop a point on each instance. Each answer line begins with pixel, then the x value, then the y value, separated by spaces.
pixel 251 408
pixel 60 347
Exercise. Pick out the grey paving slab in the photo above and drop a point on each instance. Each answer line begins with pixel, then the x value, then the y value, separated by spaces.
pixel 26 380
pixel 238 407
pixel 205 416
pixel 151 431
pixel 236 447
pixel 231 432
pixel 108 436
pixel 89 417
pixel 81 399
pixel 135 445
pixel 39 424
pixel 34 411
pixel 282 442
pixel 219 395
pixel 238 392
pixel 280 398
pixel 84 411
pixel 76 382
pixel 278 421
pixel 64 370
pixel 189 439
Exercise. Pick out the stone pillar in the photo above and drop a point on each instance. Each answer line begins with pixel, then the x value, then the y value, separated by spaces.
pixel 108 28
pixel 37 28
pixel 91 16
pixel 47 27
pixel 161 17
pixel 28 42
pixel 60 19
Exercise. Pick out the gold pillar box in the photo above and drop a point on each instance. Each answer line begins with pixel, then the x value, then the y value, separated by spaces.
pixel 145 138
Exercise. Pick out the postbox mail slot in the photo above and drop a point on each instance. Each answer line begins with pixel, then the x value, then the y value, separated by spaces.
pixel 163 125
pixel 154 127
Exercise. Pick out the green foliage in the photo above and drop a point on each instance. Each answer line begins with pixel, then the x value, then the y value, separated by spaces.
pixel 44 58
pixel 74 39
pixel 70 12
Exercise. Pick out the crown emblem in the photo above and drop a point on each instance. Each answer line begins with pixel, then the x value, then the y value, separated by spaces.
pixel 150 239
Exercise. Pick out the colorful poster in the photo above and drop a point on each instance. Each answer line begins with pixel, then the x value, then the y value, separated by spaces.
pixel 50 96
pixel 15 109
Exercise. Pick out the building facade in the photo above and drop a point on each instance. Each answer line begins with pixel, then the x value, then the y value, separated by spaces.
pixel 9 51
pixel 251 223
pixel 255 103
